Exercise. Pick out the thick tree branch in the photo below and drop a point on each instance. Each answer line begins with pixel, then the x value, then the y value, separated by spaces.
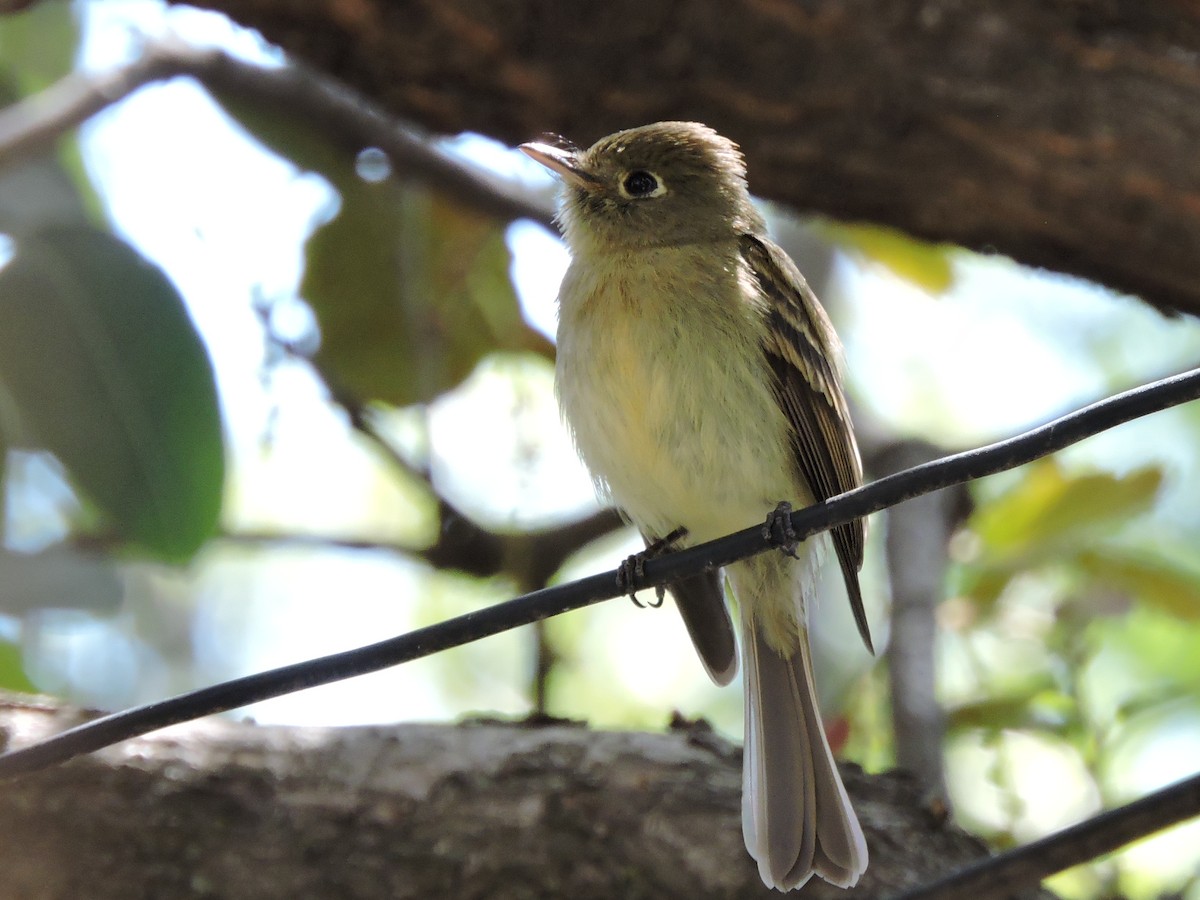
pixel 1061 133
pixel 483 809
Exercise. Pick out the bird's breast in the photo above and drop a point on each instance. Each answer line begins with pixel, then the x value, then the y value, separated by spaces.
pixel 662 378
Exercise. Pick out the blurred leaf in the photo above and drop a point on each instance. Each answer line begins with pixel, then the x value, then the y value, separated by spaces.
pixel 58 578
pixel 1166 653
pixel 12 670
pixel 37 192
pixel 928 266
pixel 995 714
pixel 38 46
pixel 410 291
pixel 105 370
pixel 1042 706
pixel 1161 699
pixel 982 583
pixel 1050 508
pixel 1168 585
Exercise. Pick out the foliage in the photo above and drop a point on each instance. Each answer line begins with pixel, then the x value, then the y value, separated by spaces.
pixel 928 266
pixel 101 366
pixel 410 291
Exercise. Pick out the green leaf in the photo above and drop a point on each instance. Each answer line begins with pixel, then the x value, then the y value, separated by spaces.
pixel 1149 658
pixel 409 290
pixel 928 266
pixel 39 191
pixel 1172 586
pixel 104 369
pixel 410 293
pixel 982 583
pixel 1036 702
pixel 12 670
pixel 38 45
pixel 996 713
pixel 1050 509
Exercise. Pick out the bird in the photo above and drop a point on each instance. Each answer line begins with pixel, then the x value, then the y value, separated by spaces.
pixel 701 381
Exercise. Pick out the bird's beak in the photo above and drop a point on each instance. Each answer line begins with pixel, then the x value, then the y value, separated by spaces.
pixel 562 161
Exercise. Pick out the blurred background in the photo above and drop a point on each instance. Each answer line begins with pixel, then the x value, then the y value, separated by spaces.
pixel 1068 664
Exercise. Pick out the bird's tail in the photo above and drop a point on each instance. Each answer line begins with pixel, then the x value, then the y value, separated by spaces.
pixel 796 817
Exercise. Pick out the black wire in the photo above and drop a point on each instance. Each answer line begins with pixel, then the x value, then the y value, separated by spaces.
pixel 464 629
pixel 924 479
pixel 1023 867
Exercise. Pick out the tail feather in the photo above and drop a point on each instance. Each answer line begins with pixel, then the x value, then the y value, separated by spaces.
pixel 796 817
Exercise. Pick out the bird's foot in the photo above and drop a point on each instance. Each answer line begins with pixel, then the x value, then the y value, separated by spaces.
pixel 633 569
pixel 778 529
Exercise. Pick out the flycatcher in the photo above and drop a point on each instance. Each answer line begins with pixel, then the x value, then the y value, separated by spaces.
pixel 701 380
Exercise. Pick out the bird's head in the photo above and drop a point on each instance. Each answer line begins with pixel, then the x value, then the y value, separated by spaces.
pixel 666 184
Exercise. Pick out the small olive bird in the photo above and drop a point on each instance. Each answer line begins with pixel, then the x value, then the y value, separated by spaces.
pixel 701 380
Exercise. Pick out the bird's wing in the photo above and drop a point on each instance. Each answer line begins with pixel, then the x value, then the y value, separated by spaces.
pixel 801 345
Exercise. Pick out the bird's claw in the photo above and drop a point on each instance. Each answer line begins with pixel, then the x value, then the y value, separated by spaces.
pixel 778 529
pixel 629 573
pixel 633 570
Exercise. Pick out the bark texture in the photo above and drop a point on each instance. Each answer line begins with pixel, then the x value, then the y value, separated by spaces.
pixel 483 809
pixel 1060 132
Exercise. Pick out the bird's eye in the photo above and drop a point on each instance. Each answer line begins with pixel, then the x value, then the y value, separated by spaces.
pixel 640 183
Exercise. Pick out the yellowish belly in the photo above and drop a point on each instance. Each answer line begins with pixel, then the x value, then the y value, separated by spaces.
pixel 673 411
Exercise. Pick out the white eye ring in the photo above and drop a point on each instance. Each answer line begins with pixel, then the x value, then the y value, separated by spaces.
pixel 641 184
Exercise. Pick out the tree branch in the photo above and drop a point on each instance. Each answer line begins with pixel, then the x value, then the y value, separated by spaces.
pixel 481 809
pixel 531 557
pixel 36 122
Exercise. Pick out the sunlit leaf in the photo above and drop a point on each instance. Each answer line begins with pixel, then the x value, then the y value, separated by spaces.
pixel 928 266
pixel 409 290
pixel 104 369
pixel 12 670
pixel 57 578
pixel 1050 508
pixel 1166 584
pixel 1148 659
